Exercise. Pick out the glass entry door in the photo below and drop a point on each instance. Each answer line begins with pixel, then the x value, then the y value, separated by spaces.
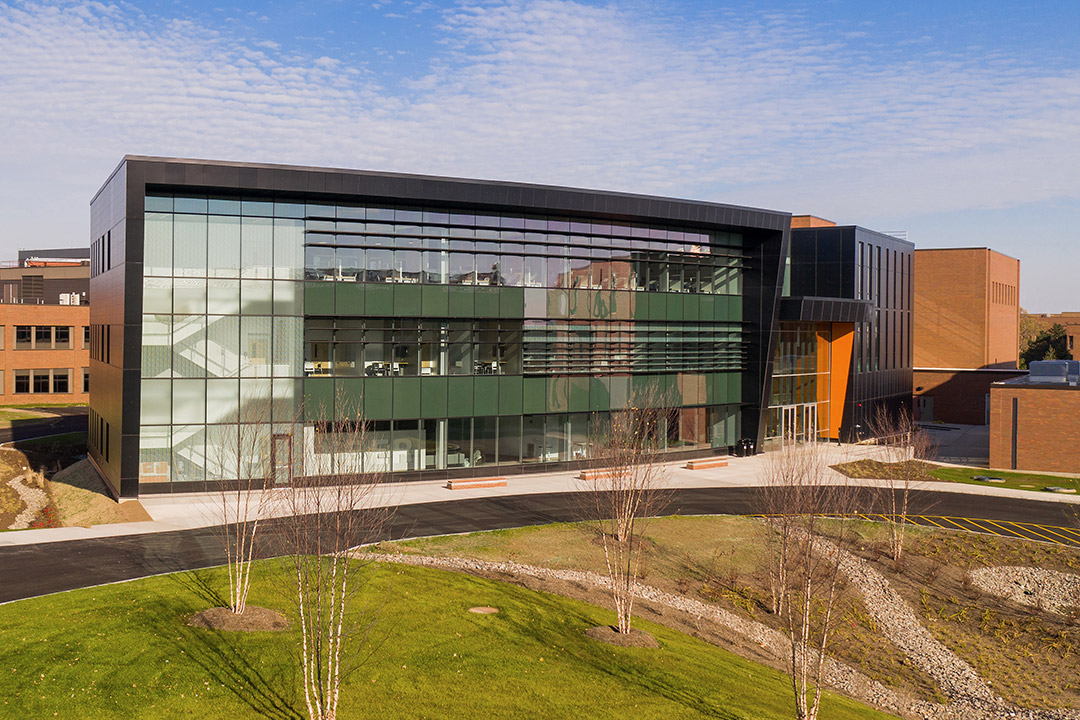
pixel 281 458
pixel 798 423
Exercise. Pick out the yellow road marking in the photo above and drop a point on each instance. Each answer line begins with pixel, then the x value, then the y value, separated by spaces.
pixel 1022 537
pixel 1050 530
pixel 923 517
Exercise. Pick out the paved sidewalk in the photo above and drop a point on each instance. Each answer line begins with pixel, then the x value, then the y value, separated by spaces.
pixel 199 510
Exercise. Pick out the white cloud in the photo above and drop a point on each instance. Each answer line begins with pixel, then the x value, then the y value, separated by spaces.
pixel 770 111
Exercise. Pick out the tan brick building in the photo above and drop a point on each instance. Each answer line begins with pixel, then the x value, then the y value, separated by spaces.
pixel 1068 320
pixel 966 331
pixel 1035 420
pixel 44 354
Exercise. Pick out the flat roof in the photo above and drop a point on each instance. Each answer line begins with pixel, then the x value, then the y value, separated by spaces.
pixel 300 180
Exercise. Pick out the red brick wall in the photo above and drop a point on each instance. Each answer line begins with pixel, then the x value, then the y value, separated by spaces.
pixel 959 396
pixel 75 359
pixel 1048 428
pixel 966 309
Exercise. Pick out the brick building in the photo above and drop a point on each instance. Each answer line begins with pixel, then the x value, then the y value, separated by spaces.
pixel 1034 419
pixel 1068 320
pixel 966 331
pixel 44 354
pixel 49 277
pixel 45 327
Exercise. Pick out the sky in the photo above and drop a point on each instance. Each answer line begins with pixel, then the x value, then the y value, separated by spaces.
pixel 957 121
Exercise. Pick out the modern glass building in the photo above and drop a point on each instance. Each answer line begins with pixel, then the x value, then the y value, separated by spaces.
pixel 843 344
pixel 478 327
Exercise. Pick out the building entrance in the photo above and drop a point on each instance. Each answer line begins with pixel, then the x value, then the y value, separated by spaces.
pixel 798 423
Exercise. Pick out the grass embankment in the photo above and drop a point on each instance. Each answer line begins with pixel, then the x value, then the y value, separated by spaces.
pixel 1031 657
pixel 77 495
pixel 928 472
pixel 81 499
pixel 124 651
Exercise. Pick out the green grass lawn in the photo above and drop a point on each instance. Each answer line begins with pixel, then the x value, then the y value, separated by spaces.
pixel 50 443
pixel 1017 480
pixel 124 651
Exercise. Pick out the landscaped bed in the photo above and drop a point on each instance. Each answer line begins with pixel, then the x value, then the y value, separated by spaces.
pixel 921 471
pixel 1030 656
pixel 125 650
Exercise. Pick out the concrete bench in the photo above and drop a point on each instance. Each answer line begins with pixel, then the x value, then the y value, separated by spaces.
pixel 591 475
pixel 474 483
pixel 707 463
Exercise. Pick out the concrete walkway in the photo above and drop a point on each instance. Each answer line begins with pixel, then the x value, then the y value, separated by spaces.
pixel 200 510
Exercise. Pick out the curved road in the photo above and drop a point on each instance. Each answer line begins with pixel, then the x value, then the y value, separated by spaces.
pixel 33 570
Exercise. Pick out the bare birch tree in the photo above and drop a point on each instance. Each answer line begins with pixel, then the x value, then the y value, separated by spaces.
pixel 626 480
pixel 239 464
pixel 806 525
pixel 331 509
pixel 902 443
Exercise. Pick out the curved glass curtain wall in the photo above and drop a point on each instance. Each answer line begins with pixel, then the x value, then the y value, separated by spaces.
pixel 227 344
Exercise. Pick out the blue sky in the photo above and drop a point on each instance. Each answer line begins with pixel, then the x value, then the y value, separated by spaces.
pixel 958 122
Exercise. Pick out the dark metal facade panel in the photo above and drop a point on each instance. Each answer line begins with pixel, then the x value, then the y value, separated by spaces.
pixel 290 180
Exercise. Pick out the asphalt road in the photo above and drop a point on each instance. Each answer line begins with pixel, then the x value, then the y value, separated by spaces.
pixel 68 420
pixel 33 570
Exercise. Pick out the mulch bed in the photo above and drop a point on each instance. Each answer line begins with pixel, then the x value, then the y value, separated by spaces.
pixel 611 636
pixel 254 619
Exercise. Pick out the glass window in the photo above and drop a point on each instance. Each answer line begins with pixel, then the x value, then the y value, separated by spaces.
pixel 458 442
pixel 156 346
pixel 86 336
pixel 22 381
pixel 256 297
pixel 62 337
pixel 436 266
pixel 222 346
pixel 484 444
pixel 41 381
pixel 256 246
pixel 535 272
pixel 460 351
pixel 220 206
pixel 189 245
pixel 287 359
pixel 408 453
pixel 189 296
pixel 223 234
pixel 350 263
pixel 155 402
pixel 511 270
pixel 222 296
pixel 254 346
pixel 157 244
pixel 86 380
pixel 288 298
pixel 155 451
pixel 509 447
pixel 157 296
pixel 189 346
pixel 462 269
pixel 558 273
pixel 380 264
pixel 188 453
pixel 24 337
pixel 319 262
pixel 189 401
pixel 42 336
pixel 288 248
pixel 533 448
pixel 222 401
pixel 407 266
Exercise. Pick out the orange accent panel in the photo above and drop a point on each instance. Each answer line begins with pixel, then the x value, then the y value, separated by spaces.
pixel 842 346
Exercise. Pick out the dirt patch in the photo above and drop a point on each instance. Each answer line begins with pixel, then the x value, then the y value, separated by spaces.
pixel 915 470
pixel 611 636
pixel 254 619
pixel 82 499
pixel 483 610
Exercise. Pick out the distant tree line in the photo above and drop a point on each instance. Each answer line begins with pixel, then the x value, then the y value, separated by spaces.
pixel 1042 343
